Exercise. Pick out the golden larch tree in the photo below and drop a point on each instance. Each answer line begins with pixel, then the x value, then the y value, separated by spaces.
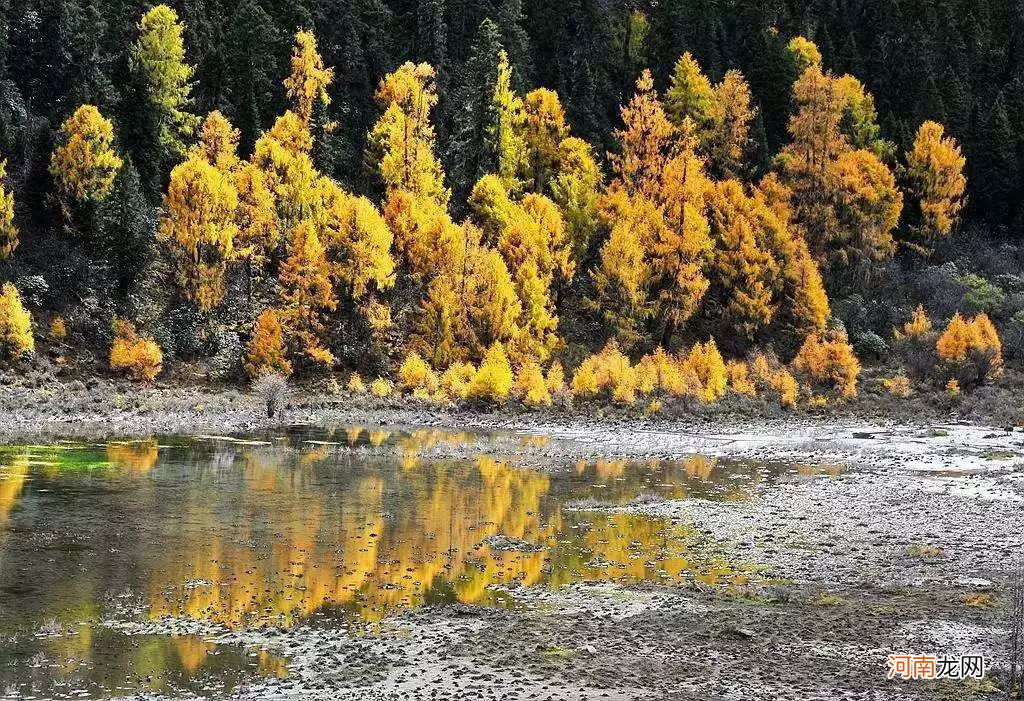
pixel 400 146
pixel 936 184
pixel 307 83
pixel 199 225
pixel 85 165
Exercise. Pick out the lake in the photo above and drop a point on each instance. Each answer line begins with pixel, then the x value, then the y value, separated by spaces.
pixel 332 527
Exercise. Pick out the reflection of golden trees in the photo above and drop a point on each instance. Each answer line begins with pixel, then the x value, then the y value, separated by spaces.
pixel 12 480
pixel 699 466
pixel 134 457
pixel 360 550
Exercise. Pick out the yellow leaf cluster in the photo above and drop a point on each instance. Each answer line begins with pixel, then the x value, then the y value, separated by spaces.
pixel 401 143
pixel 355 384
pixel 457 379
pixel 707 364
pixel 935 172
pixel 531 387
pixel 15 323
pixel 609 372
pixel 266 350
pixel 85 165
pixel 917 328
pixel 382 388
pixel 136 355
pixel 976 340
pixel 308 81
pixel 493 379
pixel 414 375
pixel 58 329
pixel 740 378
pixel 897 386
pixel 769 374
pixel 827 361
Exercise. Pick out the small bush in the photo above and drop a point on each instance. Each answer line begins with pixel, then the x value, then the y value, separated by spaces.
pixel 970 351
pixel 493 379
pixel 266 352
pixel 530 386
pixel 137 356
pixel 740 378
pixel 898 386
pixel 827 362
pixel 609 372
pixel 356 384
pixel 15 323
pixel 58 329
pixel 660 373
pixel 272 388
pixel 456 380
pixel 770 375
pixel 555 379
pixel 382 388
pixel 915 343
pixel 416 376
pixel 706 362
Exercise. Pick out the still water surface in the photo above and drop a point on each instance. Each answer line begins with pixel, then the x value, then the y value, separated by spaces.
pixel 303 526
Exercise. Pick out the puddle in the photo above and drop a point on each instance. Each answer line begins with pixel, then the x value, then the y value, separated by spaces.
pixel 354 524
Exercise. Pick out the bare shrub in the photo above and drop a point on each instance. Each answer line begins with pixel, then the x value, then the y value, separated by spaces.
pixel 271 388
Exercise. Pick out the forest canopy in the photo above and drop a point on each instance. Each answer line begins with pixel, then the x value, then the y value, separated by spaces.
pixel 481 189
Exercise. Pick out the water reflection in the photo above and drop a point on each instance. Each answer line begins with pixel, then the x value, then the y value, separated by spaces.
pixel 270 530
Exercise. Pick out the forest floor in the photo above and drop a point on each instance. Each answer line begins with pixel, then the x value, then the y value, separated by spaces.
pixel 900 536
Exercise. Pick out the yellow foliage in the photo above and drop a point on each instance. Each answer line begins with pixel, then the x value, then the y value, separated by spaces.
pixel 382 388
pixel 935 171
pixel 769 374
pixel 58 329
pixel 976 341
pixel 828 361
pixel 493 379
pixel 457 380
pixel 660 372
pixel 199 227
pixel 355 384
pixel 136 355
pixel 415 374
pixel 897 386
pixel 85 165
pixel 555 379
pixel 308 81
pixel 706 362
pixel 544 128
pixel 306 291
pixel 608 371
pixel 530 385
pixel 218 142
pixel 357 242
pixel 953 387
pixel 917 328
pixel 740 378
pixel 400 146
pixel 15 322
pixel 646 139
pixel 8 232
pixel 266 351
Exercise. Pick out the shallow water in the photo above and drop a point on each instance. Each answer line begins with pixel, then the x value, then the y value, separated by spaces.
pixel 329 527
